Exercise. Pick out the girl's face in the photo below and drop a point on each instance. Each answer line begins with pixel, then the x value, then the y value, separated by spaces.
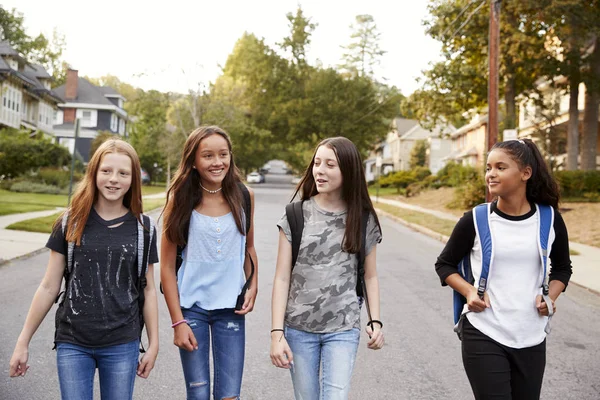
pixel 113 179
pixel 503 176
pixel 212 160
pixel 326 171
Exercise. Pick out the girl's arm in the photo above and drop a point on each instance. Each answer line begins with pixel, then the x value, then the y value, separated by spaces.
pixel 151 320
pixel 42 302
pixel 281 354
pixel 252 291
pixel 372 284
pixel 184 337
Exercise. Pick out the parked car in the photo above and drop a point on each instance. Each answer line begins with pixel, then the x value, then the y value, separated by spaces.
pixel 295 180
pixel 145 177
pixel 255 177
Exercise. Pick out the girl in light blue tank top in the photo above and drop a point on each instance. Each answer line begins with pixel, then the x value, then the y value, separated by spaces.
pixel 209 214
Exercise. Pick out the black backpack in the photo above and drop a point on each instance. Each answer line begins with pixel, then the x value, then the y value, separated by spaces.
pixel 144 231
pixel 248 214
pixel 295 217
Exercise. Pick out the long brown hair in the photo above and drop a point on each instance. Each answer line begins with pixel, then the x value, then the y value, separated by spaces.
pixel 354 188
pixel 185 194
pixel 86 193
pixel 541 186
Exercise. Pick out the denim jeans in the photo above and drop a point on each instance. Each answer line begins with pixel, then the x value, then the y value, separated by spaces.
pixel 333 353
pixel 228 333
pixel 116 365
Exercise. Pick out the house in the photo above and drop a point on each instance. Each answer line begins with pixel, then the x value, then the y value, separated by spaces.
pixel 99 108
pixel 552 118
pixel 467 145
pixel 28 101
pixel 388 149
pixel 438 146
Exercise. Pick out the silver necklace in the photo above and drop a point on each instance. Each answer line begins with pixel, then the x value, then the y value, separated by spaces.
pixel 211 191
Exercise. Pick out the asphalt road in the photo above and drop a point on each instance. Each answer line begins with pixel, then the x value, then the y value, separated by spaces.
pixel 421 359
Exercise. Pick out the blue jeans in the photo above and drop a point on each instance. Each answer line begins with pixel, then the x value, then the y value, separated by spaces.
pixel 333 353
pixel 228 333
pixel 116 365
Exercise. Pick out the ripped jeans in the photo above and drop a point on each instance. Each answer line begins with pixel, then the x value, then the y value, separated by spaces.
pixel 228 333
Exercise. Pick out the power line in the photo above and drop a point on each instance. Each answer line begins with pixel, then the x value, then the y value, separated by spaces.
pixel 467 20
pixel 458 16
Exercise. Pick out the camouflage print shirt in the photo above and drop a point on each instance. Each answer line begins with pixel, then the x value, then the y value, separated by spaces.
pixel 322 296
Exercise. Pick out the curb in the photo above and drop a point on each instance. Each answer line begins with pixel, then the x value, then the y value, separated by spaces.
pixel 444 239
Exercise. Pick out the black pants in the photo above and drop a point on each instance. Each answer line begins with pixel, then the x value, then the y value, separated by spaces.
pixel 499 372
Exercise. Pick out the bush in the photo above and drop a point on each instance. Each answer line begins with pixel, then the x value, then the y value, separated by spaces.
pixel 20 154
pixel 469 195
pixel 55 176
pixel 35 187
pixel 455 175
pixel 398 179
pixel 578 183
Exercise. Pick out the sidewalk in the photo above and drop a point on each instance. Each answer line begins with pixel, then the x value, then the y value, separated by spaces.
pixel 14 244
pixel 586 265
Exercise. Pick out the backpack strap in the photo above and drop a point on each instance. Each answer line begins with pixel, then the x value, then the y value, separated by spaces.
pixel 295 217
pixel 68 259
pixel 545 223
pixel 145 234
pixel 481 216
pixel 248 214
pixel 247 205
pixel 361 287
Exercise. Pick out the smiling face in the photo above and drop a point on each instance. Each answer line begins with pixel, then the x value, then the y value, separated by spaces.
pixel 212 160
pixel 504 176
pixel 326 171
pixel 113 179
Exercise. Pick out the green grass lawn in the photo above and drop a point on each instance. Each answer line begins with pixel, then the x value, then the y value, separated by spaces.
pixel 13 202
pixel 44 224
pixel 382 191
pixel 429 221
pixel 146 190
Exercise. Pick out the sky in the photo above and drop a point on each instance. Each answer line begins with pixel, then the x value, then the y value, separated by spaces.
pixel 178 44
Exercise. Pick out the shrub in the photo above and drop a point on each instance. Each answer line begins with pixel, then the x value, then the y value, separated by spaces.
pixel 55 176
pixel 578 183
pixel 398 179
pixel 35 187
pixel 469 195
pixel 454 175
pixel 19 153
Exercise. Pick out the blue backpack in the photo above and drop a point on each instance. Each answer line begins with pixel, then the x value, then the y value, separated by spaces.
pixel 481 215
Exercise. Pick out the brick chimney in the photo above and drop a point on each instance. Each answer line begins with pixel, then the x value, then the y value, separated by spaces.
pixel 71 86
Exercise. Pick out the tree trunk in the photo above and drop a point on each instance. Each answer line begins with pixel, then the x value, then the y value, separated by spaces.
pixel 573 130
pixel 589 144
pixel 510 120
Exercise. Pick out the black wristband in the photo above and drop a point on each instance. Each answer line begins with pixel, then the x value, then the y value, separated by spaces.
pixel 375 321
pixel 276 330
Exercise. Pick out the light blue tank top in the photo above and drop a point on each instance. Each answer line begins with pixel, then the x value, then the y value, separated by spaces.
pixel 212 273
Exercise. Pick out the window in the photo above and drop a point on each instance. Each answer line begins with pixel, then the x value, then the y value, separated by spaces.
pixel 113 122
pixel 86 116
pixel 120 103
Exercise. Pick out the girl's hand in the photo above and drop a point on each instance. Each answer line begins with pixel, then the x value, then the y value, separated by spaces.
pixel 18 362
pixel 475 303
pixel 541 305
pixel 184 338
pixel 249 299
pixel 376 337
pixel 146 364
pixel 281 354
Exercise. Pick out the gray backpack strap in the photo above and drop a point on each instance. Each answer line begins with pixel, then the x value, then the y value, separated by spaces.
pixel 70 245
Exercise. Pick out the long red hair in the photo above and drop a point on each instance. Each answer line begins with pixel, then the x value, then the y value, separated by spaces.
pixel 86 193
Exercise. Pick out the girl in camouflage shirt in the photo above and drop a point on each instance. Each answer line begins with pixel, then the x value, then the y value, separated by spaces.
pixel 315 307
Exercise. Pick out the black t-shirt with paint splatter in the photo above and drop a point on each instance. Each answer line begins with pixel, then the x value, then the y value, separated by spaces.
pixel 101 304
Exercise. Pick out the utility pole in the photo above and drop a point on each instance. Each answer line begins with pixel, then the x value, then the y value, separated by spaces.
pixel 493 57
pixel 77 125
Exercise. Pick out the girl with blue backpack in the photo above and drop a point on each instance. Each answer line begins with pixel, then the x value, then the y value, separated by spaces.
pixel 321 270
pixel 104 248
pixel 208 263
pixel 508 296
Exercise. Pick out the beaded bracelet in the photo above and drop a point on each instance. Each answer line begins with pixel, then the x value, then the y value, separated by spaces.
pixel 183 321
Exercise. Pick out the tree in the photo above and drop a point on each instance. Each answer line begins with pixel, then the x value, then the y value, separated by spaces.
pixel 589 143
pixel 418 154
pixel 301 30
pixel 100 138
pixel 363 53
pixel 37 49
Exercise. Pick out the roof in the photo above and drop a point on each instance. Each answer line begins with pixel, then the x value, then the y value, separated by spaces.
pixel 87 93
pixel 108 90
pixel 7 50
pixel 403 125
pixel 419 133
pixel 469 127
pixel 39 71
